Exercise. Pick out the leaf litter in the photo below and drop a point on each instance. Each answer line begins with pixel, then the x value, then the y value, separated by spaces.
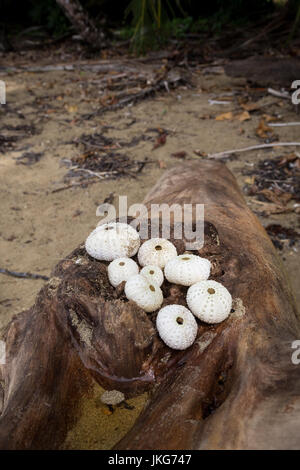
pixel 276 179
pixel 282 236
pixel 99 159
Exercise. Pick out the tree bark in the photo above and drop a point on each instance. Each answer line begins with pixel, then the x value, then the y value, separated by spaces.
pixel 83 23
pixel 235 388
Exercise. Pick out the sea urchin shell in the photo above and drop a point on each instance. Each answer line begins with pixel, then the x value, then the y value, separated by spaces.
pixel 121 269
pixel 113 240
pixel 157 251
pixel 209 301
pixel 112 397
pixel 187 269
pixel 145 294
pixel 176 326
pixel 153 273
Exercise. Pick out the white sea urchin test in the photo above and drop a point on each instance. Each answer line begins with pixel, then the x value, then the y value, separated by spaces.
pixel 157 251
pixel 121 269
pixel 153 273
pixel 187 269
pixel 176 326
pixel 112 397
pixel 113 240
pixel 209 301
pixel 145 294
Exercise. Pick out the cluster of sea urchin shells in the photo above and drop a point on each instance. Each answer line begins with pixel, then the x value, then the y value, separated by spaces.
pixel 207 300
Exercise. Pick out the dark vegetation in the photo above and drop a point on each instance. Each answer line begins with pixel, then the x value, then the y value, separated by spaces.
pixel 148 24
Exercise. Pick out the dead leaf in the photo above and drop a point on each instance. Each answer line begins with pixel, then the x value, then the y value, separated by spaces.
pixel 206 116
pixel 82 157
pixel 161 164
pixel 71 108
pixel 288 158
pixel 161 140
pixel 250 179
pixel 77 213
pixel 200 153
pixel 269 208
pixel 279 199
pixel 244 116
pixel 263 130
pixel 181 154
pixel 224 116
pixel 269 118
pixel 250 106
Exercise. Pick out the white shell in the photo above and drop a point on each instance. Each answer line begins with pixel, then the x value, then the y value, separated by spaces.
pixel 157 251
pixel 146 295
pixel 209 301
pixel 112 397
pixel 176 326
pixel 153 273
pixel 187 269
pixel 113 240
pixel 121 269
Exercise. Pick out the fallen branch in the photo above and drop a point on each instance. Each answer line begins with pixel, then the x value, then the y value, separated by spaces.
pixel 253 147
pixel 26 275
pixel 171 80
pixel 279 94
pixel 283 124
pixel 69 186
pixel 101 175
pixel 212 102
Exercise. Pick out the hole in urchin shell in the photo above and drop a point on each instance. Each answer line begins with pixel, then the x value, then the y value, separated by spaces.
pixel 186 258
pixel 152 288
pixel 151 272
pixel 122 263
pixel 179 320
pixel 109 228
pixel 158 247
pixel 210 290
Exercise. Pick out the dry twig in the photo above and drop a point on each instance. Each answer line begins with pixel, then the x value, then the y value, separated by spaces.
pixel 227 153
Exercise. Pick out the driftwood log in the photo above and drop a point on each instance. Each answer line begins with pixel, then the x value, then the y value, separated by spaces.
pixel 235 388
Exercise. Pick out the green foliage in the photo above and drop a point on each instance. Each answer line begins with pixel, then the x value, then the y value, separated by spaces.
pixel 297 20
pixel 154 21
pixel 150 23
pixel 150 19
